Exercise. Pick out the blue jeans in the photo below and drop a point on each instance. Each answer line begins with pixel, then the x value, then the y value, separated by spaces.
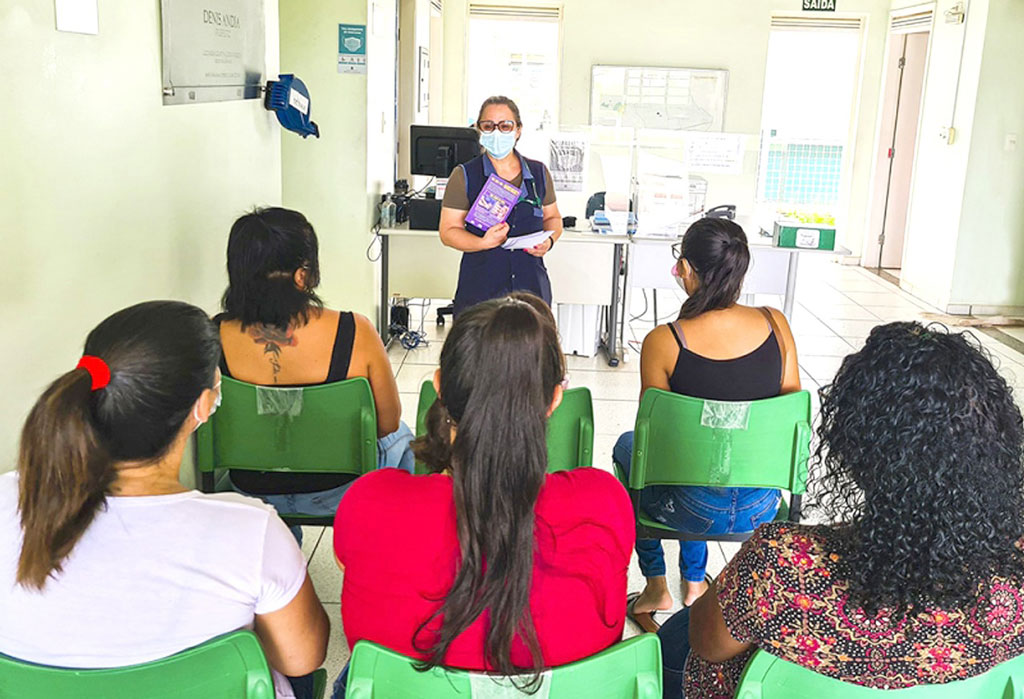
pixel 674 635
pixel 339 684
pixel 695 510
pixel 393 451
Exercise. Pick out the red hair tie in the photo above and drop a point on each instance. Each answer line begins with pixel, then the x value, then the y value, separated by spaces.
pixel 98 370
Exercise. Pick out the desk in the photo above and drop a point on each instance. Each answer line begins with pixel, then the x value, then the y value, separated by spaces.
pixel 416 264
pixel 772 270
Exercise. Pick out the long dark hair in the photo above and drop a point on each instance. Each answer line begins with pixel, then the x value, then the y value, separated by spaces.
pixel 717 251
pixel 919 463
pixel 265 249
pixel 162 355
pixel 500 366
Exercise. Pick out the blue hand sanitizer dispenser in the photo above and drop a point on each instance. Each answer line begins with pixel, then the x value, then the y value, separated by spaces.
pixel 289 98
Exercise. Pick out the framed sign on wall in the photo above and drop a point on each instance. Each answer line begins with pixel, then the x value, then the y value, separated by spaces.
pixel 213 50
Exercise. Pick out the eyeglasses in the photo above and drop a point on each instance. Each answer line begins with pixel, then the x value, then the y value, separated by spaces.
pixel 507 126
pixel 677 249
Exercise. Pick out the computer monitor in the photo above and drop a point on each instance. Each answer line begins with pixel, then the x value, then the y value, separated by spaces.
pixel 436 150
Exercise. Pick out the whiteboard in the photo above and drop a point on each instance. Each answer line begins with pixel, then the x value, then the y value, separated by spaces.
pixel 649 97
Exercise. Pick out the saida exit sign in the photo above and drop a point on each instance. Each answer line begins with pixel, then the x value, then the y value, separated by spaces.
pixel 820 5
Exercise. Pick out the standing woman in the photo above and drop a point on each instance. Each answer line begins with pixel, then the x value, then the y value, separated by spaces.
pixel 489 271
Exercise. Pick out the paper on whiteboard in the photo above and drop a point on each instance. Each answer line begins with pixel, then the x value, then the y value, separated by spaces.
pixel 526 241
pixel 715 152
pixel 568 158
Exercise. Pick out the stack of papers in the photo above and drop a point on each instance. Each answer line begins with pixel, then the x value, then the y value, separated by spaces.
pixel 526 241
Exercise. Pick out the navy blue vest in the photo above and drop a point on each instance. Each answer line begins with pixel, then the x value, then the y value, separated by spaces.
pixel 493 273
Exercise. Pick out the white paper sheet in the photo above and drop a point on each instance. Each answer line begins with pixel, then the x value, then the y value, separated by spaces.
pixel 79 16
pixel 526 241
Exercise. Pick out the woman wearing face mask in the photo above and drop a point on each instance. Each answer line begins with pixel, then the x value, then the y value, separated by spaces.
pixel 106 559
pixel 489 271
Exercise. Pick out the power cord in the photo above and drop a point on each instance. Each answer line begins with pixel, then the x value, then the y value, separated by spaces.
pixel 411 339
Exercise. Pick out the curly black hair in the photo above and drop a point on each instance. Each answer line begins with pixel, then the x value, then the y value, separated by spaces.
pixel 919 462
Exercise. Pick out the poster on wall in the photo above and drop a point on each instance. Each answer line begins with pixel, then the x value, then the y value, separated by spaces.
pixel 351 48
pixel 213 50
pixel 568 161
pixel 715 152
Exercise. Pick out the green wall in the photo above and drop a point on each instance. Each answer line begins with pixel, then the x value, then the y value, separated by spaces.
pixel 107 197
pixel 325 178
pixel 989 269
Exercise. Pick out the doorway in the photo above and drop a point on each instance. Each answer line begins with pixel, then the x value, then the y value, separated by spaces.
pixel 894 163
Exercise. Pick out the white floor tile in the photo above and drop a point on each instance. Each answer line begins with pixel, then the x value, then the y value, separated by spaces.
pixel 822 346
pixel 412 376
pixel 337 647
pixel 821 369
pixel 608 385
pixel 613 417
pixel 603 446
pixel 324 571
pixel 311 537
pixel 841 311
pixel 852 328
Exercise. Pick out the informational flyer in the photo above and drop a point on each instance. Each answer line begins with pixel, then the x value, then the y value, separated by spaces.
pixel 715 152
pixel 494 203
pixel 568 162
pixel 351 48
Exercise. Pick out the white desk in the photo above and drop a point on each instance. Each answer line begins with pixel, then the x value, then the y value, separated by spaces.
pixel 772 270
pixel 416 264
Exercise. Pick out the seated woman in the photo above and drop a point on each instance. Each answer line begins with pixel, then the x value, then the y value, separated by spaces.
pixel 477 560
pixel 717 350
pixel 106 559
pixel 920 577
pixel 276 332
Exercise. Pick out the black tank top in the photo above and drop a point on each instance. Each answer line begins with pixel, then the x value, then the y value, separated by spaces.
pixel 278 483
pixel 753 376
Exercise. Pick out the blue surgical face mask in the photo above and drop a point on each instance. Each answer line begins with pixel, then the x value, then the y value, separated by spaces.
pixel 498 144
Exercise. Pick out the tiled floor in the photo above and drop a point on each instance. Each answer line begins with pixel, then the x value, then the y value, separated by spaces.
pixel 836 308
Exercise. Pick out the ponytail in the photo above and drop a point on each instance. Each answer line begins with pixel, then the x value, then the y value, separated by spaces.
pixel 717 251
pixel 151 362
pixel 64 475
pixel 500 366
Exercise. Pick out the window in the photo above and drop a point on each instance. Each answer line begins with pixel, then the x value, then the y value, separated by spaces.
pixel 809 100
pixel 513 51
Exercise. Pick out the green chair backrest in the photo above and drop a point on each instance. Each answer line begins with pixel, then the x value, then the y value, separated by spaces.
pixel 329 428
pixel 627 670
pixel 681 440
pixel 768 677
pixel 227 667
pixel 570 427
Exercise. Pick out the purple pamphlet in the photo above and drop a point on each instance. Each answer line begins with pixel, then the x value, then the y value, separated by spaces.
pixel 494 203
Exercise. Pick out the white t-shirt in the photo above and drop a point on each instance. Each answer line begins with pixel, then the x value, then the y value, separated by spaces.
pixel 151 576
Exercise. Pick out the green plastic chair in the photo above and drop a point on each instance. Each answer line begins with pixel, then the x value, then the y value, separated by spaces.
pixel 681 440
pixel 329 428
pixel 570 428
pixel 768 677
pixel 627 670
pixel 231 666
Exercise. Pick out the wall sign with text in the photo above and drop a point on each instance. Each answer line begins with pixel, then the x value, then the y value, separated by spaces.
pixel 820 5
pixel 213 50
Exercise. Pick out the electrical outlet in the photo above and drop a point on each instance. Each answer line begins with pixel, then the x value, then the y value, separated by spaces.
pixel 947 134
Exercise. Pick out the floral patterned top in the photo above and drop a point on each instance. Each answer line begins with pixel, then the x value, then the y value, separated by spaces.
pixel 779 594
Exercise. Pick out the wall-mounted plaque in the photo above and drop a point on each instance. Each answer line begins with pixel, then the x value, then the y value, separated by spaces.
pixel 213 50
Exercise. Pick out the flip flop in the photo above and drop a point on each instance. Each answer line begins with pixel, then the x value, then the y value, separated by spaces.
pixel 645 620
pixel 708 579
